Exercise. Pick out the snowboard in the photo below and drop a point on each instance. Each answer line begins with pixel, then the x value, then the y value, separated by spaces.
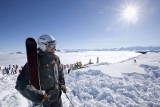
pixel 32 59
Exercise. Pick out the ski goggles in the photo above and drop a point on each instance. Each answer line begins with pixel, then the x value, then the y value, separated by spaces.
pixel 51 44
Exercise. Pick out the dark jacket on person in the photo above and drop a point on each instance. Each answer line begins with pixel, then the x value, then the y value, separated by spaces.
pixel 50 74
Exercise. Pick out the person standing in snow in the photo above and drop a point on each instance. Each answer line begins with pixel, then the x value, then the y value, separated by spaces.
pixel 12 71
pixel 9 67
pixel 7 70
pixel 51 76
pixel 16 69
pixel 13 66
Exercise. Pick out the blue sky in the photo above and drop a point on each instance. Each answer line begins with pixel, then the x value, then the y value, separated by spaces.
pixel 79 24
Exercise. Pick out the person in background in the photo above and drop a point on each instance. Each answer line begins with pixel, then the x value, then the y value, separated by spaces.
pixel 7 70
pixel 12 71
pixel 16 69
pixel 9 67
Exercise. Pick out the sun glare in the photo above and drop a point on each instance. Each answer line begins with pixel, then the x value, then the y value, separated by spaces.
pixel 130 14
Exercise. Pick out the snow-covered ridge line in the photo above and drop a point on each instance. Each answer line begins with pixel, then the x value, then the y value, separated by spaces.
pixel 135 48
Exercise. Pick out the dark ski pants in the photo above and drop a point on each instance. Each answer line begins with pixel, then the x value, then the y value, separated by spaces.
pixel 57 103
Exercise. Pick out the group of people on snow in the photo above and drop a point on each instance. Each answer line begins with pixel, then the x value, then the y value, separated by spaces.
pixel 78 65
pixel 9 69
pixel 69 67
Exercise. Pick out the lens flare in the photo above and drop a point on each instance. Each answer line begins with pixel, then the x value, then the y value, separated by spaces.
pixel 130 14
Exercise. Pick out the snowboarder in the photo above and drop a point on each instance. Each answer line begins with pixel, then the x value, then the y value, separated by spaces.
pixel 51 76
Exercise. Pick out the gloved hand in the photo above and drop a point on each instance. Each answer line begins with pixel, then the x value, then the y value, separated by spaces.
pixel 45 98
pixel 63 88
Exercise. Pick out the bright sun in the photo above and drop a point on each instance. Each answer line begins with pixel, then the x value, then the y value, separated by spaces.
pixel 130 14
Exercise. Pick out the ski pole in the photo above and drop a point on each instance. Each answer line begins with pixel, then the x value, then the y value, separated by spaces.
pixel 69 99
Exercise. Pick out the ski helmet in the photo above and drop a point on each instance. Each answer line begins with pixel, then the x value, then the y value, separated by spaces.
pixel 45 40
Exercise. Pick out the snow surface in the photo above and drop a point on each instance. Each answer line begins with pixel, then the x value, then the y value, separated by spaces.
pixel 117 81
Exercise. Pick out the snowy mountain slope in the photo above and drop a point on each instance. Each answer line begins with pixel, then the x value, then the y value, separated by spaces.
pixel 104 56
pixel 96 89
pixel 139 87
pixel 127 66
pixel 120 84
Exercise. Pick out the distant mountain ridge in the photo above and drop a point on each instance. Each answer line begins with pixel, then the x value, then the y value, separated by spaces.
pixel 139 48
pixel 135 48
pixel 19 52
